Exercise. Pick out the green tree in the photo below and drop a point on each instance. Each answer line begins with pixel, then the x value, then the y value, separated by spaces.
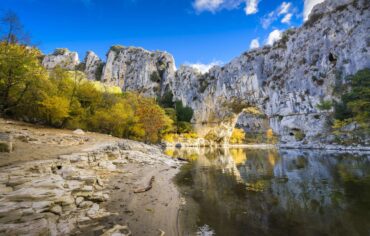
pixel 19 68
pixel 183 113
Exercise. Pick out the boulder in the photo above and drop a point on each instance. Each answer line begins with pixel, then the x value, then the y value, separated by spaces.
pixel 6 142
pixel 79 132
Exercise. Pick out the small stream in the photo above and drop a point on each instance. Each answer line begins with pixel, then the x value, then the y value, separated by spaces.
pixel 274 192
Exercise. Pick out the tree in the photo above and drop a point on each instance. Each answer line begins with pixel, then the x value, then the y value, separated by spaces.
pixel 154 120
pixel 237 137
pixel 55 109
pixel 19 68
pixel 183 113
pixel 12 29
pixel 355 104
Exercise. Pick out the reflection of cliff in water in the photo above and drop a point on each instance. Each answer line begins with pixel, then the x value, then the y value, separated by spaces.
pixel 259 192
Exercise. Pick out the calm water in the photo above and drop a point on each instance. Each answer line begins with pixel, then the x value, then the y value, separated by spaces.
pixel 268 192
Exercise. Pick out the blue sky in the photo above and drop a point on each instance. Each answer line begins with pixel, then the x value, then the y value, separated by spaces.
pixel 194 31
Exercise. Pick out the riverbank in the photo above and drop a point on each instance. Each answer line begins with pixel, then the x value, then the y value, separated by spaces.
pixel 57 182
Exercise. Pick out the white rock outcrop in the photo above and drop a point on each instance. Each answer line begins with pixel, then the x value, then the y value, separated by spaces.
pixel 285 81
pixel 61 57
pixel 93 66
pixel 136 69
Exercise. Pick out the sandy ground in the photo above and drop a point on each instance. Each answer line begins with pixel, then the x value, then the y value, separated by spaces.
pixel 148 213
pixel 33 142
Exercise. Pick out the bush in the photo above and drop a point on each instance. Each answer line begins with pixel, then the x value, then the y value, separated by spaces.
pixel 356 103
pixel 166 100
pixel 116 48
pixel 184 127
pixel 238 136
pixel 299 135
pixel 60 51
pixel 325 105
pixel 154 77
pixel 183 113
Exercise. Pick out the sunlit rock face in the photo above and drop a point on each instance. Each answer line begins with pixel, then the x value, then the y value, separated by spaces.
pixel 287 80
pixel 93 66
pixel 136 69
pixel 61 57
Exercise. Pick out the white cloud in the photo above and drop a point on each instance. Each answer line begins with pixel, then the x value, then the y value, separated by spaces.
pixel 268 19
pixel 287 18
pixel 284 8
pixel 254 44
pixel 204 68
pixel 273 37
pixel 207 5
pixel 281 11
pixel 308 6
pixel 216 5
pixel 251 7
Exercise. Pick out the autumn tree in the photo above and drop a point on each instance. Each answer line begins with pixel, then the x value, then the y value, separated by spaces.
pixel 19 68
pixel 12 29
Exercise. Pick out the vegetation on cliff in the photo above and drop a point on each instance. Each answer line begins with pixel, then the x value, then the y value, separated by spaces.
pixel 352 111
pixel 66 99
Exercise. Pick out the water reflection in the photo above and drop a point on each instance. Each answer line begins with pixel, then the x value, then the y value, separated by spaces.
pixel 270 192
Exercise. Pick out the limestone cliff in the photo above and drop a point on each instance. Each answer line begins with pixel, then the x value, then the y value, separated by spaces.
pixel 136 69
pixel 286 81
pixel 93 66
pixel 61 57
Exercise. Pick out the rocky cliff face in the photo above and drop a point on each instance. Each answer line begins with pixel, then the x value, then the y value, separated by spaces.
pixel 285 81
pixel 136 69
pixel 93 66
pixel 61 57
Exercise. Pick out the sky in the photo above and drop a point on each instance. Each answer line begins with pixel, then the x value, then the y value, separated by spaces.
pixel 197 32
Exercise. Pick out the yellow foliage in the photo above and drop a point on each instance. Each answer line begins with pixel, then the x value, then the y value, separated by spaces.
pixel 55 109
pixel 239 156
pixel 252 110
pixel 67 99
pixel 237 137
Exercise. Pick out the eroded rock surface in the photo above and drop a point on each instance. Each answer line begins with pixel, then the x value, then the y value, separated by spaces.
pixel 64 196
pixel 61 57
pixel 286 81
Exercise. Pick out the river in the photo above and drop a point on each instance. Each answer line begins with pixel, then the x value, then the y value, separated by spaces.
pixel 273 192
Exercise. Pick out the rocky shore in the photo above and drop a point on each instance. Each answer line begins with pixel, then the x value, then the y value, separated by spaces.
pixel 90 191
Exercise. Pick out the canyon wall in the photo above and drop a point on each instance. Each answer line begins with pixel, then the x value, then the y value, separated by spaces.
pixel 285 82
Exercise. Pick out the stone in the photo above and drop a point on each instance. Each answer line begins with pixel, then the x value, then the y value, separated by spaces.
pixel 79 132
pixel 61 57
pixel 57 209
pixel 350 127
pixel 93 66
pixel 6 142
pixel 86 204
pixel 79 200
pixel 117 230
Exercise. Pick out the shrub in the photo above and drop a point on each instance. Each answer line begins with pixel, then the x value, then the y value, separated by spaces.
pixel 299 135
pixel 154 77
pixel 184 127
pixel 325 105
pixel 166 100
pixel 238 136
pixel 356 103
pixel 183 113
pixel 60 51
pixel 116 48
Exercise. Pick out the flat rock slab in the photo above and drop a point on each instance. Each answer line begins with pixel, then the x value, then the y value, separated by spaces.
pixel 6 142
